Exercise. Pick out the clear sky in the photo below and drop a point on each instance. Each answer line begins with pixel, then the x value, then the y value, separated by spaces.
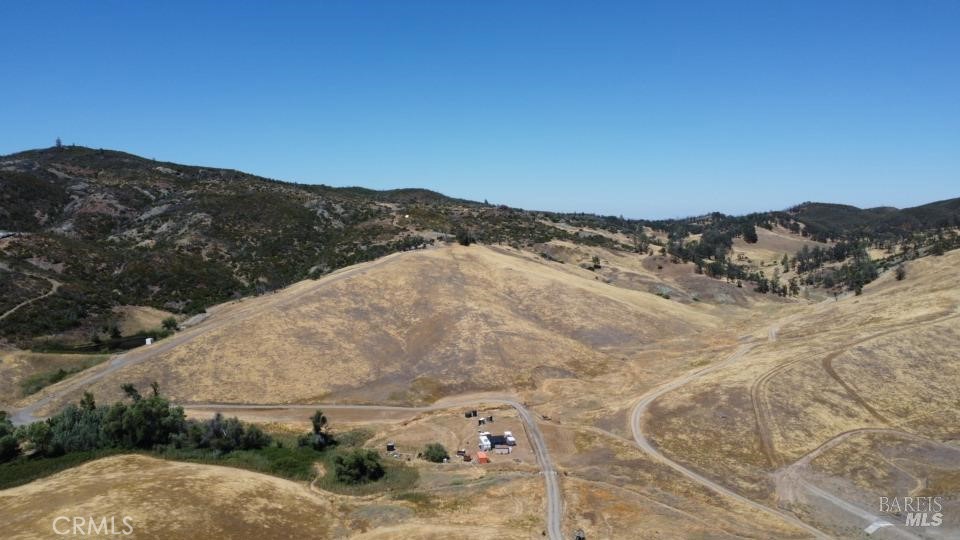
pixel 646 109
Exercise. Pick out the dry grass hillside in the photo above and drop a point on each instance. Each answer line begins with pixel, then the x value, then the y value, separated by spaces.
pixel 221 502
pixel 19 370
pixel 837 378
pixel 856 398
pixel 413 328
pixel 771 246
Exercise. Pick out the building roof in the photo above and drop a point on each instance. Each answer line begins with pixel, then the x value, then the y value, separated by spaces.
pixel 497 439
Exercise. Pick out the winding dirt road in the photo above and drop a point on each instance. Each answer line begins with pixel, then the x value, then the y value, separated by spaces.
pixel 636 423
pixel 54 287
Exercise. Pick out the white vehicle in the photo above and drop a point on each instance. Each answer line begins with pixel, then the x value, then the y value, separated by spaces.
pixel 484 443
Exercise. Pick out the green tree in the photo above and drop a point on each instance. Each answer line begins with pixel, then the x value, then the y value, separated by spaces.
pixel 320 438
pixel 37 437
pixel 749 233
pixel 145 423
pixel 319 421
pixel 225 435
pixel 435 452
pixel 358 466
pixel 9 446
pixel 170 324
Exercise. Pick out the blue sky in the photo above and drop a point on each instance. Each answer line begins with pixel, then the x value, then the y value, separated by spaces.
pixel 646 109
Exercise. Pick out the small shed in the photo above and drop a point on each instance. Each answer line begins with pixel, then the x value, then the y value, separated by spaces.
pixel 482 457
pixel 149 341
pixel 391 447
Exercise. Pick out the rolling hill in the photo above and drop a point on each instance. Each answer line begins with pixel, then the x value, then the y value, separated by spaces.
pixel 118 231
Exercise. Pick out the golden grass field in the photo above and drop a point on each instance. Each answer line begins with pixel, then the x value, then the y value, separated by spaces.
pixel 17 366
pixel 167 499
pixel 858 397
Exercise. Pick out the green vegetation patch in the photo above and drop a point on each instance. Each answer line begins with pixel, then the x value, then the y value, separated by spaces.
pixel 397 477
pixel 39 381
pixel 25 470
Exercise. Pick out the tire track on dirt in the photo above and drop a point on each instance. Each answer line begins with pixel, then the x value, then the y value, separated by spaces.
pixel 827 361
pixel 636 421
pixel 758 388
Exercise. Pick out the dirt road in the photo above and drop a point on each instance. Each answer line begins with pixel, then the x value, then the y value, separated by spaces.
pixel 636 423
pixel 792 477
pixel 54 286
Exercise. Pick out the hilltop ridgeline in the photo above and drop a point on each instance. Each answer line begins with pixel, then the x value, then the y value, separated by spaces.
pixel 117 229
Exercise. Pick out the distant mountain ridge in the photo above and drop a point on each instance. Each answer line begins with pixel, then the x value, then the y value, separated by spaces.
pixel 839 219
pixel 119 229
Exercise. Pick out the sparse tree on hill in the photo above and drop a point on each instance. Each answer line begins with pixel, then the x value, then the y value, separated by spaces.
pixel 319 421
pixel 170 323
pixel 901 273
pixel 749 233
pixel 59 143
pixel 319 439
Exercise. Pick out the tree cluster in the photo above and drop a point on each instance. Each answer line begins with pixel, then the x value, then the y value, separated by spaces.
pixel 358 466
pixel 147 423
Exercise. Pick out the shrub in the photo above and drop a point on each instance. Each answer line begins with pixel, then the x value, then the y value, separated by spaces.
pixel 464 238
pixel 435 452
